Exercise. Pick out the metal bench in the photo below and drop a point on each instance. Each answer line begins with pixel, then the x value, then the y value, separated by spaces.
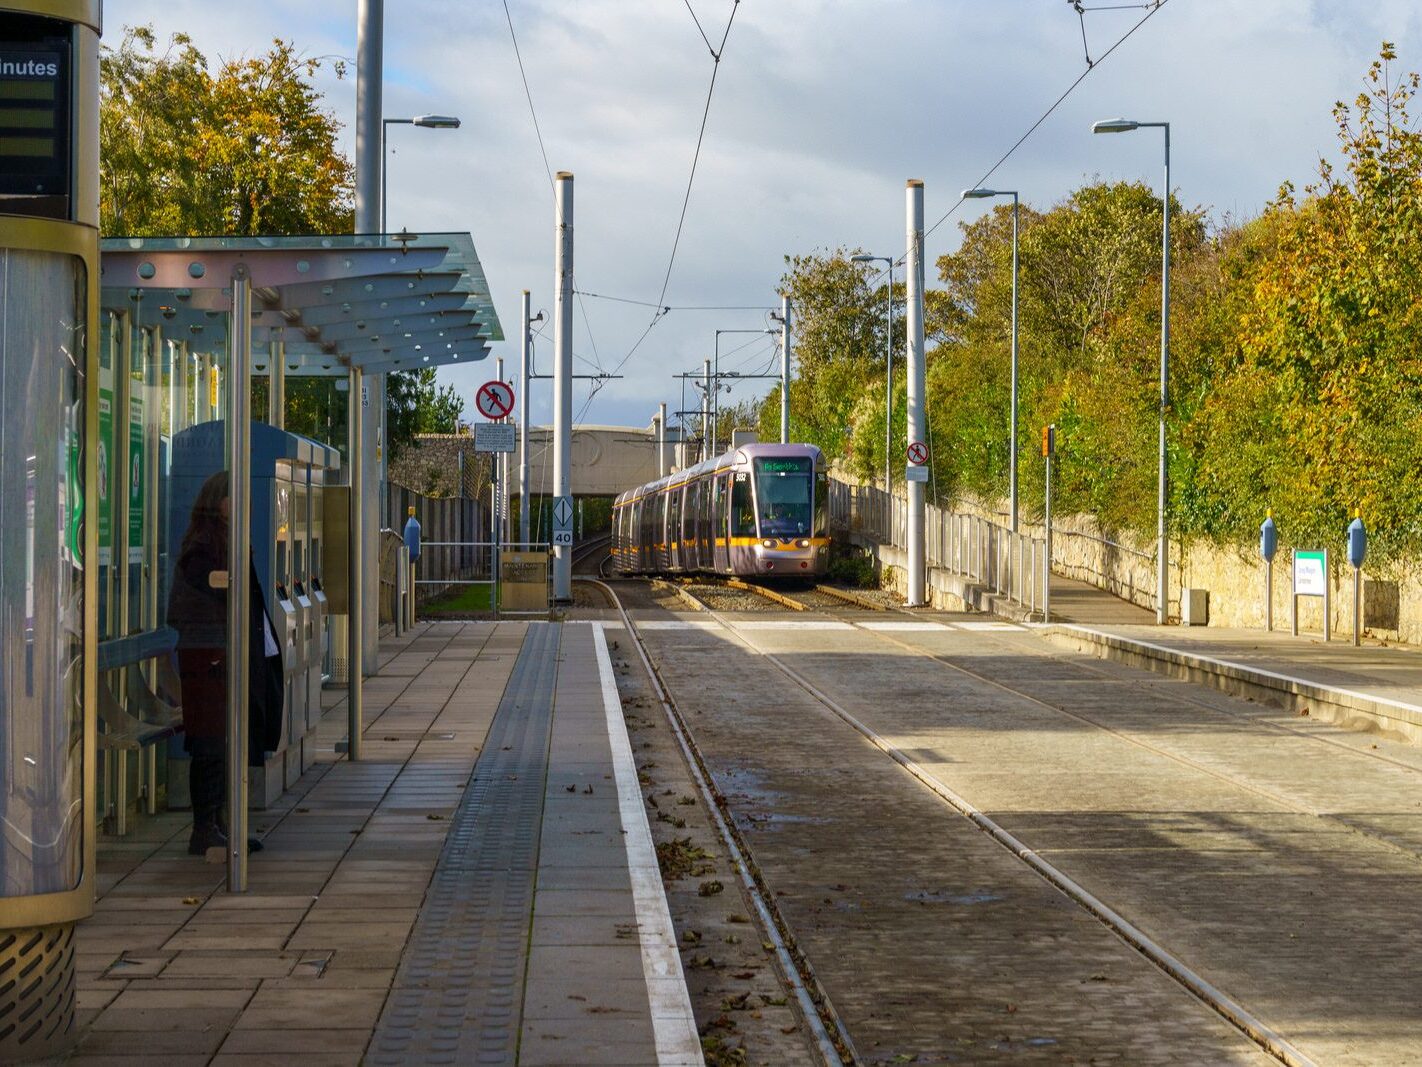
pixel 140 722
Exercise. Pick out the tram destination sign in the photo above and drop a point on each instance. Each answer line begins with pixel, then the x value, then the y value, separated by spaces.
pixel 36 129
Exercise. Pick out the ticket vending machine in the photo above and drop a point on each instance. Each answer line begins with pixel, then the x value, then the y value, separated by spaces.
pixel 282 466
pixel 49 290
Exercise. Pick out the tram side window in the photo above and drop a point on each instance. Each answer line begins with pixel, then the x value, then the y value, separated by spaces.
pixel 821 505
pixel 742 506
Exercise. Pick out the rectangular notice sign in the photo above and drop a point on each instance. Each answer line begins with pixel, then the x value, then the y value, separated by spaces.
pixel 495 437
pixel 1310 573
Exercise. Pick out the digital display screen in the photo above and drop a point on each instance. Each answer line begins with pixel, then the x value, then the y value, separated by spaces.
pixel 35 140
pixel 784 466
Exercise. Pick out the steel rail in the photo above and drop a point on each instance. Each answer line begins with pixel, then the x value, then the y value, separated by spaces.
pixel 814 1004
pixel 1268 1039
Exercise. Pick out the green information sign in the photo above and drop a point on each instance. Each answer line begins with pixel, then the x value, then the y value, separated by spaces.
pixel 106 444
pixel 135 481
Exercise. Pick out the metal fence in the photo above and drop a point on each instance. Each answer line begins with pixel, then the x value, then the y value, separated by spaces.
pixel 1012 565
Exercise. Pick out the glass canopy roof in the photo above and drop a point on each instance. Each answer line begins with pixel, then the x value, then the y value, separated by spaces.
pixel 380 302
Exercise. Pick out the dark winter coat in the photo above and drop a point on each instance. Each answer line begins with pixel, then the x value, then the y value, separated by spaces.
pixel 199 613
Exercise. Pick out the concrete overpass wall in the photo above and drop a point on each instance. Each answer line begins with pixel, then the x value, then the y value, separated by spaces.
pixel 606 459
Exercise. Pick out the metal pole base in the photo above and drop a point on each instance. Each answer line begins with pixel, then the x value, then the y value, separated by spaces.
pixel 37 1009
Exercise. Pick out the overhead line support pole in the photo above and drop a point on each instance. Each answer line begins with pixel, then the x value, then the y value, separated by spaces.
pixel 524 343
pixel 563 375
pixel 784 370
pixel 917 415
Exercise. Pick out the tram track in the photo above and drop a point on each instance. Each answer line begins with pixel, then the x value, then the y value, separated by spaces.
pixel 1283 801
pixel 831 1038
pixel 1227 1007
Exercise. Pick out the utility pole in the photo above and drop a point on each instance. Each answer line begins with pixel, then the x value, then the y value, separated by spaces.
pixel 364 576
pixel 524 342
pixel 563 377
pixel 784 370
pixel 661 440
pixel 917 420
pixel 706 452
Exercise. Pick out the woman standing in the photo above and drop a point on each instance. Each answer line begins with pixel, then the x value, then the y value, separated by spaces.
pixel 197 609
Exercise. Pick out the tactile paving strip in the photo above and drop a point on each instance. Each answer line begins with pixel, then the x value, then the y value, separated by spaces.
pixel 458 993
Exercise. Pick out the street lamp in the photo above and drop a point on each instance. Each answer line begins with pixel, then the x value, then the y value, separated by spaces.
pixel 1163 559
pixel 888 262
pixel 429 122
pixel 983 194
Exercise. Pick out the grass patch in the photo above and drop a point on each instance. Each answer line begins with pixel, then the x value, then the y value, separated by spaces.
pixel 461 600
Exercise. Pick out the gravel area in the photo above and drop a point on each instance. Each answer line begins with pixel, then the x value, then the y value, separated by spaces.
pixel 719 598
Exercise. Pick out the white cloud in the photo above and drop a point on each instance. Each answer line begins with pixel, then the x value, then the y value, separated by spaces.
pixel 822 109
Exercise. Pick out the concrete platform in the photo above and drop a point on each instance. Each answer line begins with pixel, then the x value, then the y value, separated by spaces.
pixel 1372 687
pixel 380 926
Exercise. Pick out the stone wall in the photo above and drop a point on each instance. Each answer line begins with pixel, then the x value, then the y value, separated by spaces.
pixel 431 466
pixel 1124 564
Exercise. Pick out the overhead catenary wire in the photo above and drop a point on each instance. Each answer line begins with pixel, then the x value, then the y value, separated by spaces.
pixel 547 167
pixel 528 93
pixel 660 305
pixel 1152 8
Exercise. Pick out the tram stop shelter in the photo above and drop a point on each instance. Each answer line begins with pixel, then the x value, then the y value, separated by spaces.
pixel 189 326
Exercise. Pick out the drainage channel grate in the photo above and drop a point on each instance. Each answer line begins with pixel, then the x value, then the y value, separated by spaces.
pixel 457 995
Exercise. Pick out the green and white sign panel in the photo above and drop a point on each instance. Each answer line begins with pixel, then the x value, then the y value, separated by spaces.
pixel 1310 573
pixel 106 442
pixel 135 481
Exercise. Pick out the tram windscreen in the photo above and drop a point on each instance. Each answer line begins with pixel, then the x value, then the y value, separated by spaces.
pixel 784 489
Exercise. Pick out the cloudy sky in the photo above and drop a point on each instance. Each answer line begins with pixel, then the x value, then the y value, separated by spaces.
pixel 822 109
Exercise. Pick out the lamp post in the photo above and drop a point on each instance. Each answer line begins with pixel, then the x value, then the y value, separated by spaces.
pixel 983 194
pixel 429 122
pixel 1163 558
pixel 888 388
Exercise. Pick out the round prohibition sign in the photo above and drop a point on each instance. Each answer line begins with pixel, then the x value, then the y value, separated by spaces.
pixel 918 453
pixel 495 400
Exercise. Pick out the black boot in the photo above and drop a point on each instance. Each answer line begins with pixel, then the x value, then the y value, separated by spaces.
pixel 206 835
pixel 207 774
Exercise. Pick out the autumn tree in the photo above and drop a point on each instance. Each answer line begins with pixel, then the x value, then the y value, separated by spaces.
pixel 246 150
pixel 1321 410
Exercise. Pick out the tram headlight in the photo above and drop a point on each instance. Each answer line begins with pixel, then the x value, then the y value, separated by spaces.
pixel 768 543
pixel 802 543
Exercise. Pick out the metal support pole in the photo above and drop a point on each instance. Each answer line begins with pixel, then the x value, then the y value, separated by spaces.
pixel 1269 595
pixel 370 61
pixel 239 589
pixel 917 414
pixel 661 440
pixel 889 400
pixel 524 344
pixel 1012 420
pixel 1162 608
pixel 497 491
pixel 366 490
pixel 714 403
pixel 276 400
pixel 500 471
pixel 355 649
pixel 1327 599
pixel 706 409
pixel 563 377
pixel 1047 553
pixel 1357 606
pixel 784 370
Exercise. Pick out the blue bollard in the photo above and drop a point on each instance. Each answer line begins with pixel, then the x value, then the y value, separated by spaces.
pixel 412 536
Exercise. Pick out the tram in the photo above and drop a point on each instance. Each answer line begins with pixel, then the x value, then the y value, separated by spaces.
pixel 759 510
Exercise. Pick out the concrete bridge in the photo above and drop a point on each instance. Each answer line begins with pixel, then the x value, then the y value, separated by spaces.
pixel 606 459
